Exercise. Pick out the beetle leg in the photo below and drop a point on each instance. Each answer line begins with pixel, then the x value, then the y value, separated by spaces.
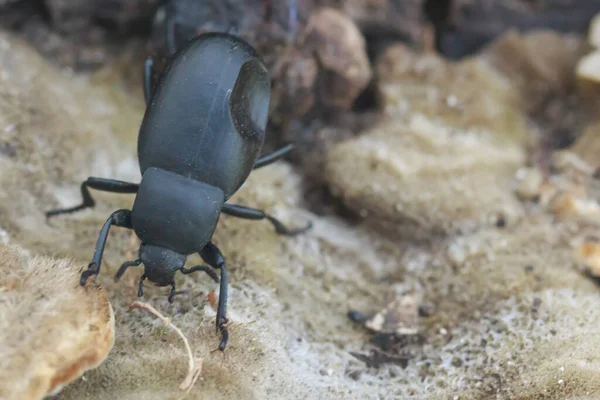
pixel 120 218
pixel 148 75
pixel 141 286
pixel 105 185
pixel 210 271
pixel 213 257
pixel 273 156
pixel 251 213
pixel 124 267
pixel 171 33
pixel 172 293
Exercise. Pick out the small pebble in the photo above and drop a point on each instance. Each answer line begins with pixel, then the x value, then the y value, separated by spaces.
pixel 594 32
pixel 355 375
pixel 426 310
pixel 457 362
pixel 394 371
pixel 530 182
pixel 452 101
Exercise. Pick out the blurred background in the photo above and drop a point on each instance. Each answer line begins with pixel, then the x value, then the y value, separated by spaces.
pixel 323 63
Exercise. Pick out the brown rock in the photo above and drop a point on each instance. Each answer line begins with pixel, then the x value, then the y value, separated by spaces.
pixel 398 318
pixel 470 94
pixel 341 51
pixel 587 69
pixel 589 254
pixel 52 329
pixel 530 181
pixel 293 94
pixel 445 158
pixel 540 65
pixel 424 177
pixel 587 147
pixel 594 32
pixel 570 191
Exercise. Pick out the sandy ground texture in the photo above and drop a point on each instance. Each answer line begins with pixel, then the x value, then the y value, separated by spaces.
pixel 505 310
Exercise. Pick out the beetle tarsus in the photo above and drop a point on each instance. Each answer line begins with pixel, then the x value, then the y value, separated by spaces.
pixel 124 267
pixel 284 230
pixel 141 286
pixel 209 271
pixel 222 307
pixel 92 270
pixel 222 326
pixel 172 293
pixel 102 184
pixel 88 202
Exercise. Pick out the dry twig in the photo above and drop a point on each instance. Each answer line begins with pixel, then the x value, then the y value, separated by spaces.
pixel 194 364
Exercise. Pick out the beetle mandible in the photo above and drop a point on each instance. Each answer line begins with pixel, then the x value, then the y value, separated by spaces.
pixel 201 136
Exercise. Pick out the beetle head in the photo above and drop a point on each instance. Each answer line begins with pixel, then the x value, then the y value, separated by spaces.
pixel 160 264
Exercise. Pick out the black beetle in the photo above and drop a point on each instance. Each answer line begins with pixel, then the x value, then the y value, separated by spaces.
pixel 201 135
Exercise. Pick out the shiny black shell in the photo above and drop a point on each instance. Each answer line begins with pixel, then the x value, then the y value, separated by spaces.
pixel 207 117
pixel 175 212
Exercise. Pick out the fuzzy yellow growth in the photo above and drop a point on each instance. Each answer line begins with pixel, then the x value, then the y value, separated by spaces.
pixel 52 329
